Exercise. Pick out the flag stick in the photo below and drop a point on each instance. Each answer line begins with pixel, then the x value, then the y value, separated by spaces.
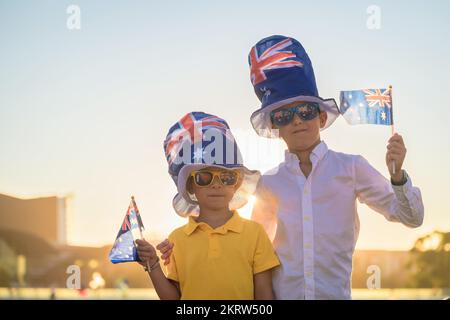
pixel 140 231
pixel 392 125
pixel 393 162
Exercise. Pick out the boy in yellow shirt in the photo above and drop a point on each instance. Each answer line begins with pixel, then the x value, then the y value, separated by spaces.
pixel 217 254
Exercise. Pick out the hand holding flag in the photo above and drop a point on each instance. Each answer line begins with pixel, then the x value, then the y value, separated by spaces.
pixel 147 253
pixel 396 153
pixel 374 106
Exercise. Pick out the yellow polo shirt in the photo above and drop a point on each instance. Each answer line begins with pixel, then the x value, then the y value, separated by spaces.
pixel 219 263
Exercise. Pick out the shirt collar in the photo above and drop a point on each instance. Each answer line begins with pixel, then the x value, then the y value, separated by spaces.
pixel 235 224
pixel 292 162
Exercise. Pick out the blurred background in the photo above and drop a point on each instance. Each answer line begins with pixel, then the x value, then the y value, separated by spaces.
pixel 89 89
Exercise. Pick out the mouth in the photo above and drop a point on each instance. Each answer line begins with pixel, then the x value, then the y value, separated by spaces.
pixel 216 196
pixel 299 131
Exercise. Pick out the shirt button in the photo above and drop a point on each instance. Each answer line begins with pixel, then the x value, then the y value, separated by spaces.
pixel 308 245
pixel 306 218
pixel 305 191
pixel 309 274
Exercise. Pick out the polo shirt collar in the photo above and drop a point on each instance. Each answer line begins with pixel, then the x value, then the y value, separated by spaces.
pixel 235 224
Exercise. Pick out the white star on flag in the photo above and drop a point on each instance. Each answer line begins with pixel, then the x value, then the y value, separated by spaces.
pixel 133 221
pixel 383 115
pixel 198 154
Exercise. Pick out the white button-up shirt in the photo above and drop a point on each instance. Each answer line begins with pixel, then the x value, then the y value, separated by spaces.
pixel 313 222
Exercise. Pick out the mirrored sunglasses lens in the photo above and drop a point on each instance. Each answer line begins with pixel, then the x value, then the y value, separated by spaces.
pixel 307 111
pixel 282 117
pixel 228 178
pixel 203 178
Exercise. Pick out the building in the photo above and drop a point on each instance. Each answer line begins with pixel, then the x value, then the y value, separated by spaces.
pixel 45 217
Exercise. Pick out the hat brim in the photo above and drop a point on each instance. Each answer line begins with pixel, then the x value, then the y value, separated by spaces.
pixel 185 204
pixel 262 124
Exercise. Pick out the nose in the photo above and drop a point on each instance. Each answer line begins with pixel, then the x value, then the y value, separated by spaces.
pixel 297 119
pixel 216 183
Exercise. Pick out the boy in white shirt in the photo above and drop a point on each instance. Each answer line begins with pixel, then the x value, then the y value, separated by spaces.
pixel 308 203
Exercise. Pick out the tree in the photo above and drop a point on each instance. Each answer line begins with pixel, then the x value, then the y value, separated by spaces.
pixel 430 261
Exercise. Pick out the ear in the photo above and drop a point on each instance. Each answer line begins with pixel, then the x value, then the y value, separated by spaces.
pixel 323 116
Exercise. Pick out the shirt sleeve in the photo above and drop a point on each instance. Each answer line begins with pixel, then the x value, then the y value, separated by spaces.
pixel 396 203
pixel 264 257
pixel 171 268
pixel 265 209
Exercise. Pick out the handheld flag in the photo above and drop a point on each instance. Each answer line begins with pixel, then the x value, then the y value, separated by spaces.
pixel 368 106
pixel 124 248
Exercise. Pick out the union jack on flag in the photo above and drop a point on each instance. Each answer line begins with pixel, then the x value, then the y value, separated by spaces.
pixel 367 106
pixel 381 97
pixel 190 129
pixel 272 58
pixel 124 248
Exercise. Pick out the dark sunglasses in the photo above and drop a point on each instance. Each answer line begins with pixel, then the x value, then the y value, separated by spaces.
pixel 205 177
pixel 306 111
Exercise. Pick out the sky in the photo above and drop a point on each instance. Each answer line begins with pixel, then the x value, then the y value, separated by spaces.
pixel 84 112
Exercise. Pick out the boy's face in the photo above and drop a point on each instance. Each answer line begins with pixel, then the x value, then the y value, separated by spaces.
pixel 216 195
pixel 301 134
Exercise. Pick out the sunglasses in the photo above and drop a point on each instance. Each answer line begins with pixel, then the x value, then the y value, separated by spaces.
pixel 204 178
pixel 306 111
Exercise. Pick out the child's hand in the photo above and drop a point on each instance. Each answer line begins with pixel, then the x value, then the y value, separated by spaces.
pixel 165 248
pixel 146 253
pixel 396 153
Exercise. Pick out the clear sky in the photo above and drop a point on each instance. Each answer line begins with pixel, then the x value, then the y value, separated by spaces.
pixel 85 112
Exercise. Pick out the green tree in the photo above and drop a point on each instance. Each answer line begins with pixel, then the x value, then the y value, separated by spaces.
pixel 430 261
